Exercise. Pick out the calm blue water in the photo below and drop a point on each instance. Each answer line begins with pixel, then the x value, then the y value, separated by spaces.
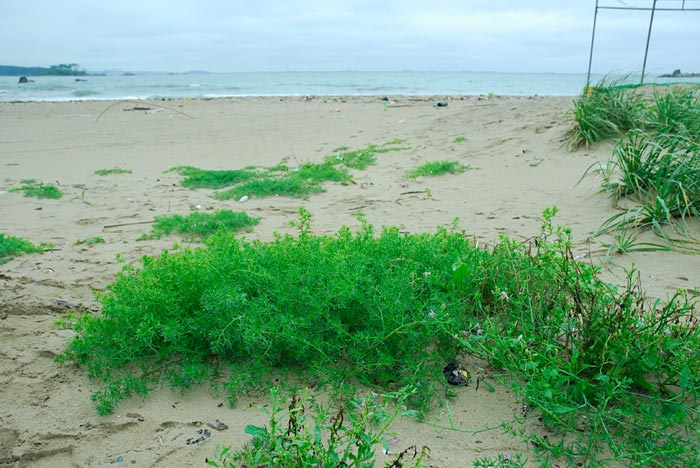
pixel 145 86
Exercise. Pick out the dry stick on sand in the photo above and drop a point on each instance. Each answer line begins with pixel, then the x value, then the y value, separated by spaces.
pixel 109 226
pixel 141 102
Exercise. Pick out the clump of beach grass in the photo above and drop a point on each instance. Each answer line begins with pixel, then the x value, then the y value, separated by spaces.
pixel 437 168
pixel 659 174
pixel 39 191
pixel 199 225
pixel 604 111
pixel 612 377
pixel 655 162
pixel 11 247
pixel 114 170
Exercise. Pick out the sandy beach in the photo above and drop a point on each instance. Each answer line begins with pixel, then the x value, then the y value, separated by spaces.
pixel 520 166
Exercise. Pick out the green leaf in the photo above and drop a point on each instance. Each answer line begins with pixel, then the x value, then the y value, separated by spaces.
pixel 255 431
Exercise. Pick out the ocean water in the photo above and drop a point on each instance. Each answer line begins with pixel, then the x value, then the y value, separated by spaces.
pixel 350 83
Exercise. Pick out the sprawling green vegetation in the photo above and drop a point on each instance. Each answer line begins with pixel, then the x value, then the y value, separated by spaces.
pixel 281 180
pixel 437 168
pixel 115 170
pixel 199 225
pixel 656 160
pixel 39 191
pixel 11 247
pixel 612 377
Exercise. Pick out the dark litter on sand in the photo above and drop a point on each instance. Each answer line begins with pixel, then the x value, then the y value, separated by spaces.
pixel 456 375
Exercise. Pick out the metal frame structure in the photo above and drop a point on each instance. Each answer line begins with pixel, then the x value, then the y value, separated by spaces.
pixel 653 9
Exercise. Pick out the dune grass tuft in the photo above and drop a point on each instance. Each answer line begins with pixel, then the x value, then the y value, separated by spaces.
pixel 604 111
pixel 656 161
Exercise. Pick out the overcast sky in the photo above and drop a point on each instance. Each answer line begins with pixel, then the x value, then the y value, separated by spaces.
pixel 267 35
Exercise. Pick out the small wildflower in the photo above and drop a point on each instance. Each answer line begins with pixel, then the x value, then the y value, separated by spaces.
pixel 504 295
pixel 427 273
pixel 667 331
pixel 661 353
pixel 479 332
pixel 431 314
pixel 465 334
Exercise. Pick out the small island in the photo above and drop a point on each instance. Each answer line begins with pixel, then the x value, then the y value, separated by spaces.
pixel 678 74
pixel 63 69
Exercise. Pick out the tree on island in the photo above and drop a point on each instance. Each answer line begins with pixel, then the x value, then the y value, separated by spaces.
pixel 66 69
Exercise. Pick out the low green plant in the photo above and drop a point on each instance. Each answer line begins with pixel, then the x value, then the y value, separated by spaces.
pixel 460 139
pixel 201 178
pixel 627 241
pixel 39 191
pixel 90 241
pixel 303 433
pixel 285 187
pixel 365 157
pixel 437 168
pixel 500 461
pixel 115 170
pixel 11 247
pixel 198 225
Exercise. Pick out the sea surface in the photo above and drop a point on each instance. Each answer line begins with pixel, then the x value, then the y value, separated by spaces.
pixel 348 83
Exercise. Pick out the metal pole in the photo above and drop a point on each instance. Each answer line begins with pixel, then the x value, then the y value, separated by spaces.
pixel 590 56
pixel 646 50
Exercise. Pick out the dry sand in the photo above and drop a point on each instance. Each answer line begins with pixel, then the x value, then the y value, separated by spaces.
pixel 514 145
